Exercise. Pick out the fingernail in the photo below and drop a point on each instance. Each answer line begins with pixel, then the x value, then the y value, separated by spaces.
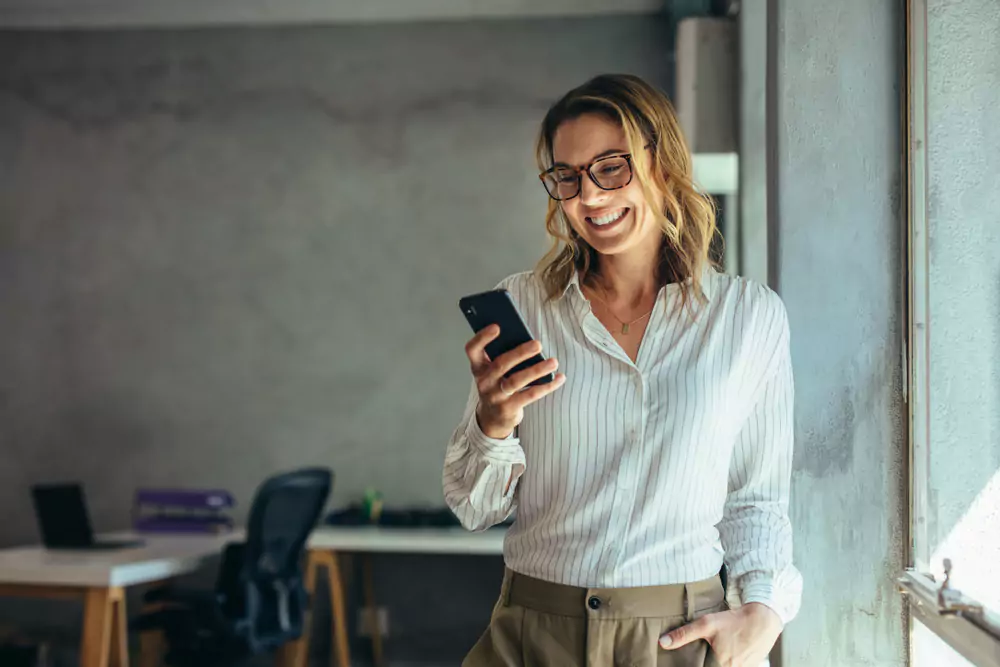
pixel 665 642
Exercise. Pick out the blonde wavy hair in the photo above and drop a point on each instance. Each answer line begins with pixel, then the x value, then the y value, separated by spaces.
pixel 686 216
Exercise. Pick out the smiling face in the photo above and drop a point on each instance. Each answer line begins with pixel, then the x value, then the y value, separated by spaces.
pixel 616 232
pixel 613 222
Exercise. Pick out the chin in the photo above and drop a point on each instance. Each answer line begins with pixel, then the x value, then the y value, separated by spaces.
pixel 619 242
pixel 610 246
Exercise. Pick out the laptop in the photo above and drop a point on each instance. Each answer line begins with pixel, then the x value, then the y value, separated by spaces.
pixel 64 522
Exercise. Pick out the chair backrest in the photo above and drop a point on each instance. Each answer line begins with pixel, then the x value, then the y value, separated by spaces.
pixel 260 581
pixel 285 510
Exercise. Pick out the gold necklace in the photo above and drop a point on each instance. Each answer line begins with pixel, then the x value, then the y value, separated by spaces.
pixel 625 325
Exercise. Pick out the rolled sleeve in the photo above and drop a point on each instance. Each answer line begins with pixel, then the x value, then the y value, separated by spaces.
pixel 782 593
pixel 481 473
pixel 502 452
pixel 756 531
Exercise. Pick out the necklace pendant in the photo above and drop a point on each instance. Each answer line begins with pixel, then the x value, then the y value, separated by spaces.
pixel 624 329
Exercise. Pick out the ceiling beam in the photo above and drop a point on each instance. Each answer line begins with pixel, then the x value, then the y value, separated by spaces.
pixel 61 14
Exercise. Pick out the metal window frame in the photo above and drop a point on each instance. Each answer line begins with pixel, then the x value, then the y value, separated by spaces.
pixel 917 344
pixel 959 621
pixel 973 633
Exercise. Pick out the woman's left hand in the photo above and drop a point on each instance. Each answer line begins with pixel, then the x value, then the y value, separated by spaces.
pixel 739 638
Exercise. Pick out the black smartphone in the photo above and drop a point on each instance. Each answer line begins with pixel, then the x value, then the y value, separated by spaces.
pixel 497 307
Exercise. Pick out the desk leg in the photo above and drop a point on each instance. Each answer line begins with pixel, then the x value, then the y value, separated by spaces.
pixel 372 609
pixel 119 629
pixel 287 655
pixel 296 653
pixel 338 610
pixel 105 634
pixel 152 643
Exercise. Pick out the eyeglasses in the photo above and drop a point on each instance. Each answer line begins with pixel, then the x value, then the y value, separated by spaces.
pixel 562 182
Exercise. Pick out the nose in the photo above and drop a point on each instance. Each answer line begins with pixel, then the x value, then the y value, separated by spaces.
pixel 590 194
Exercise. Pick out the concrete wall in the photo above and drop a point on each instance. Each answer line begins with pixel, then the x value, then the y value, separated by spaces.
pixel 963 114
pixel 963 117
pixel 753 139
pixel 229 252
pixel 836 256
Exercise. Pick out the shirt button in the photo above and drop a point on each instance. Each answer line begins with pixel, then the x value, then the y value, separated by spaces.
pixel 594 602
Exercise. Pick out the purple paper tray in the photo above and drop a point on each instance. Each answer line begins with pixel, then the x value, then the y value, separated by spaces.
pixel 174 525
pixel 205 499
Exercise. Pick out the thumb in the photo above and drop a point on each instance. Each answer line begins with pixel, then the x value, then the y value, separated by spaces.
pixel 684 635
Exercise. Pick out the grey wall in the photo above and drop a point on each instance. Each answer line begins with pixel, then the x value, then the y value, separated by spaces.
pixel 229 252
pixel 963 117
pixel 202 233
pixel 754 143
pixel 836 257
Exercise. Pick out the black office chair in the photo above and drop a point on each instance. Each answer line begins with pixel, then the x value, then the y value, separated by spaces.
pixel 259 602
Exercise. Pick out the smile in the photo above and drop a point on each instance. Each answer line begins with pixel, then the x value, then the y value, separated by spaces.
pixel 609 219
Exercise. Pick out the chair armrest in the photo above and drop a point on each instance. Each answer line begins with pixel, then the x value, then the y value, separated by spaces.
pixel 169 607
pixel 184 597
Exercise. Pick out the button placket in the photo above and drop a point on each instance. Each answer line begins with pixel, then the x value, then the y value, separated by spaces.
pixel 631 458
pixel 642 404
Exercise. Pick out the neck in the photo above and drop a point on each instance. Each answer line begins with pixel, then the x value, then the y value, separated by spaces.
pixel 631 277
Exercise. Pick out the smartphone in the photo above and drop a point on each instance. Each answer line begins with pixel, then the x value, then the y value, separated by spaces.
pixel 497 307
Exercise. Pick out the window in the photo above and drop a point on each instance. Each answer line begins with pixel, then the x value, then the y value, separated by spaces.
pixel 953 342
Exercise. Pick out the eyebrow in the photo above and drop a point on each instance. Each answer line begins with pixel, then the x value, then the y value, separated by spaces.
pixel 607 153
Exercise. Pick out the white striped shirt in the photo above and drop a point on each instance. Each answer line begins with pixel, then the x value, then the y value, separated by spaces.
pixel 646 473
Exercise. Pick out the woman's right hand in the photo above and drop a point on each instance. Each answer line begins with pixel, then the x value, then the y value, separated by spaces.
pixel 502 400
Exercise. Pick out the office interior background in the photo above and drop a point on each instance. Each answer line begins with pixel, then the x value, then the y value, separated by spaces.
pixel 233 238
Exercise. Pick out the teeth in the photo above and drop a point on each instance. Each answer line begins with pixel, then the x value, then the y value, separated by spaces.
pixel 608 219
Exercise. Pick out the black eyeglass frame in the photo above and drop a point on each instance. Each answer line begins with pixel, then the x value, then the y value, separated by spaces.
pixel 587 168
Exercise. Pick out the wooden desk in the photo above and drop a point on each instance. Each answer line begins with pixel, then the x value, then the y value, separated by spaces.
pixel 327 542
pixel 99 579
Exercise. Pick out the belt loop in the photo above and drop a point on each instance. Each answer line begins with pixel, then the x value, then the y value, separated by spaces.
pixel 688 604
pixel 508 576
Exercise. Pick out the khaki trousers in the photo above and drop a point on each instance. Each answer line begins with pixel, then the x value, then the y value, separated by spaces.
pixel 540 624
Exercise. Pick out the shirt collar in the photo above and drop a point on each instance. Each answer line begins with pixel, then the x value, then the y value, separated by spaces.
pixel 708 276
pixel 572 284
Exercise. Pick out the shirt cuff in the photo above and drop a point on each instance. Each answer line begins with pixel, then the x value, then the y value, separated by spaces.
pixel 504 452
pixel 783 599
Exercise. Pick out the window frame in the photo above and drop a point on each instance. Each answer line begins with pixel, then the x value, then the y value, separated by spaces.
pixel 956 619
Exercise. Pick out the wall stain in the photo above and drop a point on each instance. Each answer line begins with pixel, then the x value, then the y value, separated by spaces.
pixel 828 446
pixel 84 99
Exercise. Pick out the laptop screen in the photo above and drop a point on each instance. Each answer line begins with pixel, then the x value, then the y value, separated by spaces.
pixel 62 515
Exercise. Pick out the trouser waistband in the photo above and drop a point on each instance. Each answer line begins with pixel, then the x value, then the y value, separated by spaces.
pixel 609 603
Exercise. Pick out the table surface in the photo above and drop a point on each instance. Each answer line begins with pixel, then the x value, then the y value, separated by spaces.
pixel 159 557
pixel 162 556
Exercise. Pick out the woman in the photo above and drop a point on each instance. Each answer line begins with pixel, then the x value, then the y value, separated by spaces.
pixel 664 450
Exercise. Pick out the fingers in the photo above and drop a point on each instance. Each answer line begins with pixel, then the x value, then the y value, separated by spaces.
pixel 703 628
pixel 489 377
pixel 532 394
pixel 509 360
pixel 522 379
pixel 493 388
pixel 475 349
